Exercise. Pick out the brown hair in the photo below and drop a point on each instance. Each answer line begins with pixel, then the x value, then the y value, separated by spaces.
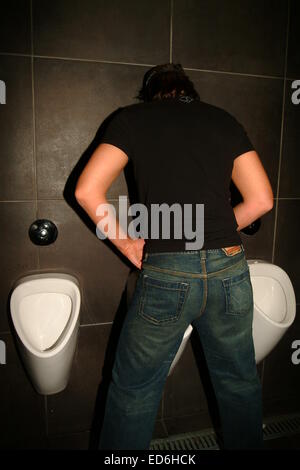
pixel 161 80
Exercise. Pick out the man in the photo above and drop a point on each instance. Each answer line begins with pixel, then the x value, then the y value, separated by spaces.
pixel 183 152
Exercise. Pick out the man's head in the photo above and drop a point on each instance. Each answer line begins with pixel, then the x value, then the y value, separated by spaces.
pixel 164 81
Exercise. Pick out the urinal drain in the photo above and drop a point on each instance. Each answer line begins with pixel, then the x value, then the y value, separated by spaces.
pixel 274 427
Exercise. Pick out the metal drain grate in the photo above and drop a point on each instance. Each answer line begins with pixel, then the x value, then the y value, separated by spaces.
pixel 275 427
pixel 280 426
pixel 204 440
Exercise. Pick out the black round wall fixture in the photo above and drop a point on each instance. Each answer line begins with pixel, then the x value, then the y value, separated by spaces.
pixel 43 232
pixel 252 228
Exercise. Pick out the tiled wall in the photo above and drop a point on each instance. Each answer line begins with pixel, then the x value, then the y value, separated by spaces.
pixel 67 64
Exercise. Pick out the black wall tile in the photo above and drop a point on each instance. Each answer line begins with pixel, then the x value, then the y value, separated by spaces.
pixel 72 100
pixel 233 36
pixel 281 376
pixel 287 239
pixel 78 441
pixel 72 410
pixel 15 26
pixel 16 163
pixel 22 417
pixel 102 273
pixel 189 423
pixel 290 164
pixel 293 64
pixel 18 254
pixel 131 31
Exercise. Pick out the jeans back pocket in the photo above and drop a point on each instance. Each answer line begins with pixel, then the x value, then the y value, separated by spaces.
pixel 238 294
pixel 162 300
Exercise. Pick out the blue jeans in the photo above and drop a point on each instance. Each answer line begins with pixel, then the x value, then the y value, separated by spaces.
pixel 212 290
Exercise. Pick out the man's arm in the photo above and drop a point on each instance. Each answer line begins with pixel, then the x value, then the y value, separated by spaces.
pixel 104 166
pixel 250 178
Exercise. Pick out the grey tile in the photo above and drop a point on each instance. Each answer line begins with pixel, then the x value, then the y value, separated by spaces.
pixel 16 163
pixel 101 270
pixel 22 412
pixel 131 31
pixel 290 164
pixel 281 379
pixel 293 64
pixel 287 240
pixel 73 99
pixel 73 409
pixel 232 36
pixel 256 103
pixel 15 26
pixel 19 255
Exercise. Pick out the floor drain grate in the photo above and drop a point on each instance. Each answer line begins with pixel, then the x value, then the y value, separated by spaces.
pixel 204 440
pixel 275 427
pixel 280 426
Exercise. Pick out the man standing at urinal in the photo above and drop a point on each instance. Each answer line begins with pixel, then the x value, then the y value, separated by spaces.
pixel 183 151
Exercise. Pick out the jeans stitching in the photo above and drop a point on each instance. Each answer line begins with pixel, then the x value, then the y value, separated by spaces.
pixel 183 292
pixel 191 275
pixel 149 281
pixel 226 286
pixel 205 291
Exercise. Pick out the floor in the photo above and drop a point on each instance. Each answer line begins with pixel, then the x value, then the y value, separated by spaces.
pixel 171 427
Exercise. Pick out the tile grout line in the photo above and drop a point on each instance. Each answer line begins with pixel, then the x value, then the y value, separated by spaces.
pixel 101 61
pixel 34 125
pixel 35 170
pixel 281 132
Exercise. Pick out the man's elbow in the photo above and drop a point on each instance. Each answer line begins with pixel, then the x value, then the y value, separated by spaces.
pixel 88 195
pixel 80 194
pixel 268 205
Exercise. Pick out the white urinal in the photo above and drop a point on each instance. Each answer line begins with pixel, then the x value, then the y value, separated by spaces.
pixel 45 313
pixel 274 305
pixel 181 348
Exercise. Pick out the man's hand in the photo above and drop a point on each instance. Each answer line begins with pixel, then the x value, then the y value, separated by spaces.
pixel 133 250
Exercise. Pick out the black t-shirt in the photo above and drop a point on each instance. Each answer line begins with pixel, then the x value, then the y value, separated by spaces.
pixel 182 152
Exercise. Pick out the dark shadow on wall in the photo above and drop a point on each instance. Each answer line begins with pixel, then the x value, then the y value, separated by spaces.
pixel 69 190
pixel 69 195
pixel 109 359
pixel 207 385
